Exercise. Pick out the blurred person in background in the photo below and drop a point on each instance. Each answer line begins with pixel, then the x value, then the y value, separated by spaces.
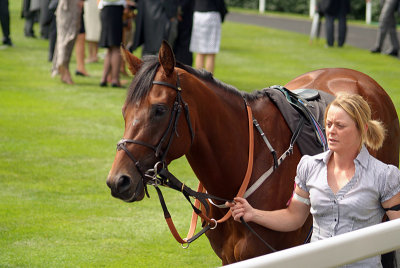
pixel 80 49
pixel 111 38
pixel 5 22
pixel 335 9
pixel 185 23
pixel 156 20
pixel 68 20
pixel 387 25
pixel 206 32
pixel 50 21
pixel 91 17
pixel 30 11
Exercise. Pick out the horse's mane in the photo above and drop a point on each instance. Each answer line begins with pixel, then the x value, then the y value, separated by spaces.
pixel 207 76
pixel 142 82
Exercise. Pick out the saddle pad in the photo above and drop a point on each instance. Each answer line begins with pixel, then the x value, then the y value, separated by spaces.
pixel 307 141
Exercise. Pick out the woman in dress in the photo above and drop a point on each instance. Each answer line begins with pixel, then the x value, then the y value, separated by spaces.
pixel 68 19
pixel 206 32
pixel 111 38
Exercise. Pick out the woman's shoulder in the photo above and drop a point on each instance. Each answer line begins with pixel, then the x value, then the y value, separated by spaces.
pixel 314 159
pixel 310 163
pixel 386 176
pixel 375 164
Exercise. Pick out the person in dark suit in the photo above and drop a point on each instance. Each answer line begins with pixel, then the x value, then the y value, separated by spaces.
pixel 387 25
pixel 30 11
pixel 5 22
pixel 335 9
pixel 185 23
pixel 49 21
pixel 156 21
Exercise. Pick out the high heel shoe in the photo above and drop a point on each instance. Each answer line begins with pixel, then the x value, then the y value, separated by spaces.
pixel 81 73
pixel 116 85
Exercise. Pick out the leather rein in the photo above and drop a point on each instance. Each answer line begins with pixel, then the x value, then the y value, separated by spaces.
pixel 160 176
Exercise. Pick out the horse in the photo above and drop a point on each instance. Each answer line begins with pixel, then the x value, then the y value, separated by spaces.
pixel 215 137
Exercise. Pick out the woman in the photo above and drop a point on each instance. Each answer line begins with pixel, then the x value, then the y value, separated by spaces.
pixel 206 32
pixel 92 28
pixel 345 188
pixel 111 38
pixel 68 20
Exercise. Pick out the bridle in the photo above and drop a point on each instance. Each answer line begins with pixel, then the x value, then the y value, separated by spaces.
pixel 150 175
pixel 160 176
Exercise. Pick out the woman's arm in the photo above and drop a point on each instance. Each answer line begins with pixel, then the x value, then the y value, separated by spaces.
pixel 395 200
pixel 283 220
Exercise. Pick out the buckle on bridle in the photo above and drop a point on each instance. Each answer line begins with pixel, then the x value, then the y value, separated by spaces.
pixel 216 223
pixel 152 174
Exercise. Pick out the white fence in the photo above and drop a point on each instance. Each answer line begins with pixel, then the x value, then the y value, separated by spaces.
pixel 335 251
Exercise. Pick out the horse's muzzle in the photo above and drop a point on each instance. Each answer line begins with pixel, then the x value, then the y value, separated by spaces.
pixel 123 187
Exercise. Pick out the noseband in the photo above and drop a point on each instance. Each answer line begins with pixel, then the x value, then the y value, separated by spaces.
pixel 150 175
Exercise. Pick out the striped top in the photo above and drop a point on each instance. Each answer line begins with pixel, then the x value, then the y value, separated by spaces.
pixel 356 205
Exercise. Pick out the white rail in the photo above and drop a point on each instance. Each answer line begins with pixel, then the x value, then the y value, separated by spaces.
pixel 335 251
pixel 261 6
pixel 368 12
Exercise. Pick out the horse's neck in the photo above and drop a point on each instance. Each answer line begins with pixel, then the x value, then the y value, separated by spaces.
pixel 219 152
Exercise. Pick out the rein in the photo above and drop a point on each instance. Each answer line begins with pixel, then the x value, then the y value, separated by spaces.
pixel 201 197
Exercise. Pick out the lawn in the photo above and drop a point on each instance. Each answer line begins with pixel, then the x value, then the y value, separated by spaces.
pixel 57 144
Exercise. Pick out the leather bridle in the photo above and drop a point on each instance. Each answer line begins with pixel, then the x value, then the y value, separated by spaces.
pixel 149 176
pixel 160 175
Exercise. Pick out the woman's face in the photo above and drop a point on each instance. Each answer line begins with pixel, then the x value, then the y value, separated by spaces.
pixel 341 131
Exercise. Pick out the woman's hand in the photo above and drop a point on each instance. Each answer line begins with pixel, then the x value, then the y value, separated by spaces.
pixel 241 208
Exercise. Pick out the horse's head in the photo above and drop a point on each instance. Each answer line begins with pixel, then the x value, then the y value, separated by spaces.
pixel 151 112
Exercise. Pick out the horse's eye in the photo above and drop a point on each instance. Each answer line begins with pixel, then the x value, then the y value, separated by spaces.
pixel 159 110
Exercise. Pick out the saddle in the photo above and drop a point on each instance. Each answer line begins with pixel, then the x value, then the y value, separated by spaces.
pixel 303 110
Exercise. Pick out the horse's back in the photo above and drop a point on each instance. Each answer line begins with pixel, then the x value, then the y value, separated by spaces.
pixel 334 80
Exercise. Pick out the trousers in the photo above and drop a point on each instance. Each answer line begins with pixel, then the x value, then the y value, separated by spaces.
pixel 330 28
pixel 5 19
pixel 387 25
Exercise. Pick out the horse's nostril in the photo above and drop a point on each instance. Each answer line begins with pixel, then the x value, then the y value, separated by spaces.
pixel 123 183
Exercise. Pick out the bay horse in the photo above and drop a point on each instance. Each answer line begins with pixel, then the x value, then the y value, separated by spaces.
pixel 214 136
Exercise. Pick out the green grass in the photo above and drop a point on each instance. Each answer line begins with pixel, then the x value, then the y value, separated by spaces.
pixel 57 144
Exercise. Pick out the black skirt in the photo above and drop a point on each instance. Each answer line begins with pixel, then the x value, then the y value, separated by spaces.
pixel 111 26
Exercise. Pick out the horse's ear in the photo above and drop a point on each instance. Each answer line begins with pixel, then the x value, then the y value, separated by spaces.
pixel 134 63
pixel 166 57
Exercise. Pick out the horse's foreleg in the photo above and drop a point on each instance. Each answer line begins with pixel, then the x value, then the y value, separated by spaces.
pixel 233 250
pixel 239 251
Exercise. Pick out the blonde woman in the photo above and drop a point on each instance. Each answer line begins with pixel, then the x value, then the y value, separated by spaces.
pixel 344 188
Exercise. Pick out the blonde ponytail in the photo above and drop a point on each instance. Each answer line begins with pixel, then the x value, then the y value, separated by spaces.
pixel 375 134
